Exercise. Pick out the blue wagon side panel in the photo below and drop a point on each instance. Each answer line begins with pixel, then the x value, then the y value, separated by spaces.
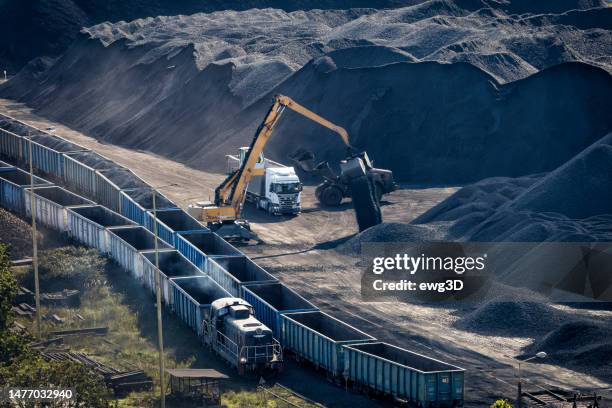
pixel 309 343
pixel 87 232
pixel 187 307
pixel 46 160
pixel 51 205
pixel 125 244
pixel 131 209
pixel 173 221
pixel 271 300
pixel 11 145
pixel 108 194
pixel 222 277
pixel 192 253
pixel 79 177
pixel 12 183
pixel 404 375
pixel 232 272
pixel 88 225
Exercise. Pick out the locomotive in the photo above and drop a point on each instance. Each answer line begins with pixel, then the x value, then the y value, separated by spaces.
pixel 232 331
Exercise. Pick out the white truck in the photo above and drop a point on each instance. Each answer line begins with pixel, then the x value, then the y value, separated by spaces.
pixel 278 191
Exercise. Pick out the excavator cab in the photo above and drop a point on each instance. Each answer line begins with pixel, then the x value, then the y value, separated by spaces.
pixel 242 154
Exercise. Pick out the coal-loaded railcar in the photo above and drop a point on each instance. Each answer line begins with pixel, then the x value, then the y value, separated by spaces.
pixel 232 331
pixel 271 300
pixel 319 338
pixel 384 369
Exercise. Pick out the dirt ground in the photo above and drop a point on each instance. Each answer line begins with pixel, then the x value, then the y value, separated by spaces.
pixel 295 251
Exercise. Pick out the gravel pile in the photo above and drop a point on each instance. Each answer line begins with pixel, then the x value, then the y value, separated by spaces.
pixel 443 91
pixel 511 317
pixel 572 203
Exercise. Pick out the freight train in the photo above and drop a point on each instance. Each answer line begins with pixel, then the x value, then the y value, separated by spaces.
pixel 211 271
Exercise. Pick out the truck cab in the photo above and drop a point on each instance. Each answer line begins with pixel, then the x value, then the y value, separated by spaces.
pixel 278 191
pixel 283 191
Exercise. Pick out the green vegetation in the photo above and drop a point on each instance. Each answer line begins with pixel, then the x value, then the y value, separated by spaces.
pixel 20 366
pixel 501 404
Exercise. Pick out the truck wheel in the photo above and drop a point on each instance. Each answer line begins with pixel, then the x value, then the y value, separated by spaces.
pixel 331 196
pixel 261 204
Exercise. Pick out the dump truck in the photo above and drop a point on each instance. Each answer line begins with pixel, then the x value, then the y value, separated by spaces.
pixel 231 330
pixel 278 191
pixel 335 187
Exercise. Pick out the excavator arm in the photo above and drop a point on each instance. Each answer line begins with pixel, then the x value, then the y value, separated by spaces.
pixel 230 195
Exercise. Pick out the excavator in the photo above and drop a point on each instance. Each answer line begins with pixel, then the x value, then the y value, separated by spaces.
pixel 224 215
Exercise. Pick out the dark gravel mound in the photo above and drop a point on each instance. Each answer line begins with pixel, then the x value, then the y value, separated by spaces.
pixel 401 80
pixel 36 28
pixel 572 336
pixel 581 188
pixel 582 345
pixel 396 114
pixel 511 317
pixel 389 232
pixel 572 204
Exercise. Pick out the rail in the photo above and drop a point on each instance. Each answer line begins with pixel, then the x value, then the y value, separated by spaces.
pixel 284 395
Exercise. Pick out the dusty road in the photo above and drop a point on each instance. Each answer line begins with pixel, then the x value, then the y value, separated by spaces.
pixel 294 250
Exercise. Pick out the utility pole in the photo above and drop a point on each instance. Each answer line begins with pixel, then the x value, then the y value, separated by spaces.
pixel 519 387
pixel 34 241
pixel 159 311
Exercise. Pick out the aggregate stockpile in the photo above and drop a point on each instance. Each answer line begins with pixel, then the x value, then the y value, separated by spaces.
pixel 489 89
pixel 572 204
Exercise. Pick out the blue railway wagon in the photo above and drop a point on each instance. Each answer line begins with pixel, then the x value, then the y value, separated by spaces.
pixel 171 265
pixel 319 338
pixel 135 202
pixel 197 246
pixel 88 225
pixel 403 374
pixel 271 300
pixel 80 172
pixel 172 221
pixel 52 204
pixel 12 183
pixel 125 244
pixel 48 153
pixel 192 296
pixel 112 181
pixel 11 145
pixel 46 160
pixel 233 272
pixel 108 193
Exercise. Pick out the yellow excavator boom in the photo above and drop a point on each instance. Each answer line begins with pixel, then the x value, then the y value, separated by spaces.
pixel 231 193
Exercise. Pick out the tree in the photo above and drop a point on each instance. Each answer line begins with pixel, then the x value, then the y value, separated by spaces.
pixel 501 404
pixel 8 289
